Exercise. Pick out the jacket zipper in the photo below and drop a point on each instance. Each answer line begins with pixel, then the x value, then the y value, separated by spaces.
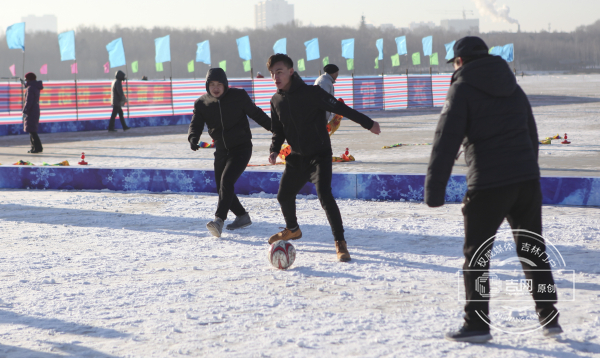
pixel 292 118
pixel 223 125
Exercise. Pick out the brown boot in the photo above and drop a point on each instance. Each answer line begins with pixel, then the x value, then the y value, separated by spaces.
pixel 286 235
pixel 342 251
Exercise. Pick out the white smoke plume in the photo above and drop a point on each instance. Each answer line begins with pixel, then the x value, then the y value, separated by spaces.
pixel 497 13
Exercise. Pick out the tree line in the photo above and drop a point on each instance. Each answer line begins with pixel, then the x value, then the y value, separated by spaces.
pixel 544 51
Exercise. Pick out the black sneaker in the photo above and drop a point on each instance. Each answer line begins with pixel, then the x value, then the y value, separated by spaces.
pixel 552 330
pixel 32 151
pixel 466 334
pixel 126 129
pixel 240 222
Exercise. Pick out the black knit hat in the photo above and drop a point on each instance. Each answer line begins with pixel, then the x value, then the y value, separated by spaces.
pixel 30 76
pixel 331 68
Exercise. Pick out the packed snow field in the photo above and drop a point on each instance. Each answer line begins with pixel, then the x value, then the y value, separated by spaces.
pixel 102 274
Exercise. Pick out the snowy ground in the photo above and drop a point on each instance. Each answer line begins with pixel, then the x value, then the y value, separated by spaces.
pixel 100 274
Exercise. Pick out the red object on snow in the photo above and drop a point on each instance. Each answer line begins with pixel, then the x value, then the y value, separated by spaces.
pixel 82 162
pixel 565 141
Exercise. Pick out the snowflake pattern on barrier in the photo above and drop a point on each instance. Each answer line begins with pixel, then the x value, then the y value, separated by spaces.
pixel 207 177
pixel 414 194
pixel 455 190
pixel 136 180
pixel 42 175
pixel 180 182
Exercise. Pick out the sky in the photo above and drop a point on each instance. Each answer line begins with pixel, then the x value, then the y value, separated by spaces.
pixel 533 15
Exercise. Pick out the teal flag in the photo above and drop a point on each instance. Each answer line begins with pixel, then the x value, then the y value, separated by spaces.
pixel 243 44
pixel 449 50
pixel 401 45
pixel 379 45
pixel 312 49
pixel 116 53
pixel 66 43
pixel 280 46
pixel 348 49
pixel 203 52
pixel 163 49
pixel 427 45
pixel 15 36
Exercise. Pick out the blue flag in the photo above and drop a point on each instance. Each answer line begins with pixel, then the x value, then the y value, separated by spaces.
pixel 15 36
pixel 312 49
pixel 243 44
pixel 66 42
pixel 116 53
pixel 508 52
pixel 401 44
pixel 203 52
pixel 280 46
pixel 496 50
pixel 449 50
pixel 348 48
pixel 163 49
pixel 427 45
pixel 379 44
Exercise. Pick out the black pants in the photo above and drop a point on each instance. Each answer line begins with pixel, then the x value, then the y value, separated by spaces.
pixel 229 166
pixel 117 110
pixel 36 143
pixel 318 170
pixel 484 211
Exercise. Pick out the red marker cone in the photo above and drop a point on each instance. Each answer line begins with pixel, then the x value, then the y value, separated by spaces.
pixel 565 141
pixel 82 162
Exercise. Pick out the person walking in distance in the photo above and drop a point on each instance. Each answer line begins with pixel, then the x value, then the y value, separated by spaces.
pixel 31 111
pixel 298 116
pixel 118 100
pixel 225 112
pixel 490 115
pixel 326 81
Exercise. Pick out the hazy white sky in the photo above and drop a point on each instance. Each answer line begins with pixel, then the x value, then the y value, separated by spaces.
pixel 532 14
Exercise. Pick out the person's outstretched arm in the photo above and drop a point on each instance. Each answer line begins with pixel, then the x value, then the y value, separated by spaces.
pixel 278 135
pixel 256 113
pixel 196 128
pixel 328 103
pixel 449 135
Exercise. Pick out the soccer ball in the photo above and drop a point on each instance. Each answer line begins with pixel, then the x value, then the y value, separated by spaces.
pixel 282 254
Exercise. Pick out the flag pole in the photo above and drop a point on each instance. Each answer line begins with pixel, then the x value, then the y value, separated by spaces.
pixel 76 98
pixel 171 82
pixel 127 87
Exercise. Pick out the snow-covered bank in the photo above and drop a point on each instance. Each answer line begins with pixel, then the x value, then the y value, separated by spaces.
pixel 137 275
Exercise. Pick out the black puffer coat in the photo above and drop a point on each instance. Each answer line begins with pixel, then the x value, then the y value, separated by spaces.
pixel 298 116
pixel 31 109
pixel 490 115
pixel 227 116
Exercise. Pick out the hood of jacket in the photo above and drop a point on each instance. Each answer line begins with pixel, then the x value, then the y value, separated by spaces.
pixel 490 75
pixel 120 75
pixel 297 82
pixel 35 84
pixel 216 74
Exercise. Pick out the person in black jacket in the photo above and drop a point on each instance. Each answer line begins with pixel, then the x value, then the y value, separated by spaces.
pixel 225 112
pixel 298 116
pixel 118 100
pixel 490 115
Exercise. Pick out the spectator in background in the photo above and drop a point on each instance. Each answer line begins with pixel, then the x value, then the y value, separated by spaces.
pixel 118 100
pixel 31 111
pixel 259 75
pixel 144 78
pixel 326 81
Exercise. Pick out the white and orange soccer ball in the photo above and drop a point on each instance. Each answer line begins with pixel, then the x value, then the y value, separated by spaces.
pixel 282 254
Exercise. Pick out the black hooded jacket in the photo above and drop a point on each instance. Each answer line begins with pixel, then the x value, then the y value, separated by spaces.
pixel 117 95
pixel 298 116
pixel 227 116
pixel 490 115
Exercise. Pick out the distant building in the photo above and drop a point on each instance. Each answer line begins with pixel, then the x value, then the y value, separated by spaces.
pixel 272 12
pixel 40 23
pixel 416 25
pixel 461 25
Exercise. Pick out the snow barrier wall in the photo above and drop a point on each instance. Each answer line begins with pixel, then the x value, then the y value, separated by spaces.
pixel 68 107
pixel 367 186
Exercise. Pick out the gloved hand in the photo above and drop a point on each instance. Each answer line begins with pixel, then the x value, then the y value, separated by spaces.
pixel 193 145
